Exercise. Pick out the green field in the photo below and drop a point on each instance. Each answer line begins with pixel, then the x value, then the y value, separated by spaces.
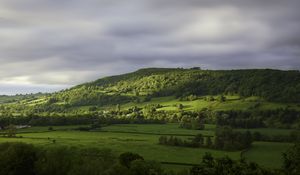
pixel 145 145
pixel 260 152
pixel 143 139
pixel 157 129
pixel 270 131
pixel 232 103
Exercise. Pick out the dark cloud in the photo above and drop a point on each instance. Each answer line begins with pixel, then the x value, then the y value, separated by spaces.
pixel 58 43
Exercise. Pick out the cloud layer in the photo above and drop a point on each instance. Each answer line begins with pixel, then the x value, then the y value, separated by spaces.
pixel 58 43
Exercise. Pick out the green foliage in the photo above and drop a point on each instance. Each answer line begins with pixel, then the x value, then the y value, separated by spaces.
pixel 56 161
pixel 189 122
pixel 227 139
pixel 24 159
pixel 141 167
pixel 143 139
pixel 17 159
pixel 11 131
pixel 222 98
pixel 19 97
pixel 126 158
pixel 142 85
pixel 279 118
pixel 227 166
pixel 266 154
pixel 292 160
pixel 196 142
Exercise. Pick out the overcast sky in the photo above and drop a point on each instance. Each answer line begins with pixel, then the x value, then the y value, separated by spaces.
pixel 48 45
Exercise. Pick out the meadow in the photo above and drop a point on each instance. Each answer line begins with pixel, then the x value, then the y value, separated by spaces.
pixel 170 103
pixel 143 139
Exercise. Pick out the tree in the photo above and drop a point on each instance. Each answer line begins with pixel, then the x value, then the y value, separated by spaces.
pixel 126 158
pixel 208 142
pixel 11 131
pixel 291 160
pixel 55 160
pixel 163 140
pixel 180 107
pixel 17 159
pixel 222 98
pixel 198 123
pixel 198 140
pixel 141 167
pixel 118 107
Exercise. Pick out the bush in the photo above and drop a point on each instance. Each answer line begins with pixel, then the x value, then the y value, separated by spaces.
pixel 126 158
pixel 17 159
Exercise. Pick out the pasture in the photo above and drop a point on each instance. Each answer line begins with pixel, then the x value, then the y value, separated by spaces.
pixel 170 103
pixel 268 154
pixel 143 139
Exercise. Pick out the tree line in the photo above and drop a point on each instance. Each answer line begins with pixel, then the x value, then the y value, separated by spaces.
pixel 26 159
pixel 225 139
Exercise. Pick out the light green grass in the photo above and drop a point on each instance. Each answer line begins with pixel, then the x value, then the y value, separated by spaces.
pixel 170 128
pixel 170 103
pixel 143 139
pixel 231 103
pixel 143 144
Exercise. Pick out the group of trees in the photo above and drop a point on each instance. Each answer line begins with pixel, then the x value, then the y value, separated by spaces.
pixel 186 84
pixel 227 166
pixel 228 139
pixel 294 136
pixel 25 159
pixel 197 141
pixel 188 122
pixel 145 115
pixel 82 96
pixel 277 118
pixel 225 139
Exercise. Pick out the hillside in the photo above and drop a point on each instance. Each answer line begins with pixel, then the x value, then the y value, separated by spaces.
pixel 166 111
pixel 19 97
pixel 274 87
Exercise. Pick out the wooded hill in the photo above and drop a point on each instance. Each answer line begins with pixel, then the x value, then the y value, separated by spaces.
pixel 271 85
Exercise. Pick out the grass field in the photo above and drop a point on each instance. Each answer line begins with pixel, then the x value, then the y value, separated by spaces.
pixel 232 102
pixel 159 129
pixel 143 139
pixel 267 154
pixel 144 144
pixel 270 131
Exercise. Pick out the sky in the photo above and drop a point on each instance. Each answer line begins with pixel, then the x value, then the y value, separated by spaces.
pixel 48 45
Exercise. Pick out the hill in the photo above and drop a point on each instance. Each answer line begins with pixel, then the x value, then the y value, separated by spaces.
pixel 273 87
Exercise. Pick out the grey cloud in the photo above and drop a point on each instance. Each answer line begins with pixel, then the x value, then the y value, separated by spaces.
pixel 60 42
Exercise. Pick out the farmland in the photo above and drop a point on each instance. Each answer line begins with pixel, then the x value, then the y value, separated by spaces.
pixel 143 139
pixel 180 119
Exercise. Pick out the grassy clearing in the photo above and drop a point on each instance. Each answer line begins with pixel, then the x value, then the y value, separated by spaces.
pixel 268 154
pixel 171 129
pixel 232 103
pixel 170 103
pixel 270 131
pixel 143 144
pixel 143 139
